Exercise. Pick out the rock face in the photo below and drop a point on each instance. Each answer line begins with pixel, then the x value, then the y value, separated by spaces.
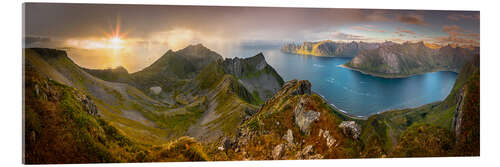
pixel 329 48
pixel 326 135
pixel 304 118
pixel 87 104
pixel 255 74
pixel 351 129
pixel 410 58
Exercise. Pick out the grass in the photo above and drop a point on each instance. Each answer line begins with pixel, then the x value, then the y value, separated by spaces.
pixel 59 129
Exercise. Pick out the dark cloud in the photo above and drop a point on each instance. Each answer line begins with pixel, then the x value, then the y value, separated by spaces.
pixel 458 17
pixel 29 40
pixel 412 19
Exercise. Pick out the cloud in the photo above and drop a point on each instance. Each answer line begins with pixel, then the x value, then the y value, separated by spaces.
pixel 344 36
pixel 457 35
pixel 458 17
pixel 371 28
pixel 412 19
pixel 29 40
pixel 401 30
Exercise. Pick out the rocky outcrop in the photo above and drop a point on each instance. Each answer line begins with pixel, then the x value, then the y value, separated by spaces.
pixel 255 74
pixel 326 135
pixel 351 129
pixel 303 117
pixel 458 115
pixel 289 137
pixel 278 151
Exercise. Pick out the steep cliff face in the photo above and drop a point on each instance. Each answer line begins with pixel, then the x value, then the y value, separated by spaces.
pixel 400 60
pixel 446 128
pixel 255 74
pixel 329 48
pixel 293 124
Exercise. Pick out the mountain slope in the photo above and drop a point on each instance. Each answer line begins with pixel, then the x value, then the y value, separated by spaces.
pixel 117 102
pixel 401 60
pixel 393 133
pixel 293 124
pixel 205 102
pixel 61 125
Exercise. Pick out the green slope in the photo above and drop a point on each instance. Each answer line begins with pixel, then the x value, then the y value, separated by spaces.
pixel 61 125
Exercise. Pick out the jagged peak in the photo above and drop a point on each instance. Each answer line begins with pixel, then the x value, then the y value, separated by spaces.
pixel 297 87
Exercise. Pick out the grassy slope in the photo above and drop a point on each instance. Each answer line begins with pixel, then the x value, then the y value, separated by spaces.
pixel 60 129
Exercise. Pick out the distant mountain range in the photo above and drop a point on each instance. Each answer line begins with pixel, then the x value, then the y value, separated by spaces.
pixel 193 105
pixel 401 60
pixel 389 59
pixel 330 48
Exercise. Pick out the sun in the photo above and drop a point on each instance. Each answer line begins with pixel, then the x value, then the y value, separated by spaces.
pixel 116 39
pixel 116 42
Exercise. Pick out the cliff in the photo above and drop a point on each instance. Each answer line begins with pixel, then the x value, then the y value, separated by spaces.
pixel 402 60
pixel 329 48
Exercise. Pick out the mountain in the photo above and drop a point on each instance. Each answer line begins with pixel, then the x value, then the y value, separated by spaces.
pixel 63 125
pixel 446 128
pixel 188 92
pixel 294 124
pixel 401 60
pixel 224 109
pixel 330 48
pixel 255 74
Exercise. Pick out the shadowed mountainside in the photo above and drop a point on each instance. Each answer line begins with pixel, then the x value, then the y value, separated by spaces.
pixel 402 60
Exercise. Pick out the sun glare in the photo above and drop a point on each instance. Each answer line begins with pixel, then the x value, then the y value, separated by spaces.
pixel 116 42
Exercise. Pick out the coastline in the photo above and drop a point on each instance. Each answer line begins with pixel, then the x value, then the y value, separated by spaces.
pixel 344 113
pixel 395 76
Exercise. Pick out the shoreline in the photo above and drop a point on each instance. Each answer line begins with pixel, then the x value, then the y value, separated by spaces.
pixel 343 112
pixel 396 76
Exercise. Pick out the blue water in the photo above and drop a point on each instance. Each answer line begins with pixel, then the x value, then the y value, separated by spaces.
pixel 352 91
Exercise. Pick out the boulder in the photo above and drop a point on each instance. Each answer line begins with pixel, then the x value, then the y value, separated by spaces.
pixel 326 135
pixel 304 118
pixel 289 137
pixel 351 129
pixel 278 151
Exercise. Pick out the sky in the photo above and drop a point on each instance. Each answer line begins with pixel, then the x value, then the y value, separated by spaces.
pixel 134 36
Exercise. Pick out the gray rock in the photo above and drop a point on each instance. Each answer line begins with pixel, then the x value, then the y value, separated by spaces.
pixel 155 90
pixel 351 129
pixel 329 139
pixel 305 153
pixel 289 137
pixel 278 151
pixel 226 143
pixel 304 118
